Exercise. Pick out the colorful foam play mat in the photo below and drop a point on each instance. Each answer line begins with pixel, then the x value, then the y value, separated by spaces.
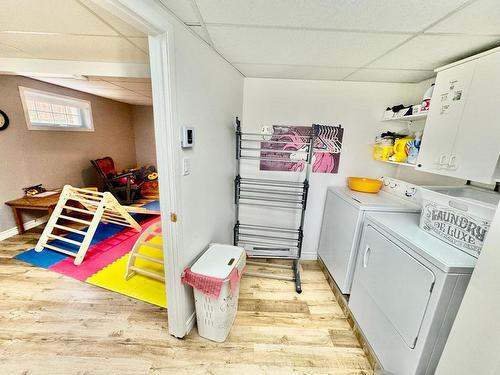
pixel 106 260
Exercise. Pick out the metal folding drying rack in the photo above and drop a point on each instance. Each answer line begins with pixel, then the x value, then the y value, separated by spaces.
pixel 263 241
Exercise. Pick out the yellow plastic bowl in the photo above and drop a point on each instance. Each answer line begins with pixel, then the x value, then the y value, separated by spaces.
pixel 364 185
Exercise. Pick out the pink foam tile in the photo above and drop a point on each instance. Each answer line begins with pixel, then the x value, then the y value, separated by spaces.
pixel 101 254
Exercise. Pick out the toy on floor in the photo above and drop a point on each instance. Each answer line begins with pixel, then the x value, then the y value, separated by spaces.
pixel 102 206
pixel 144 242
pixel 147 173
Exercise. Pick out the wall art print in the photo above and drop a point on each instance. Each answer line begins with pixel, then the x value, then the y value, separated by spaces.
pixel 327 147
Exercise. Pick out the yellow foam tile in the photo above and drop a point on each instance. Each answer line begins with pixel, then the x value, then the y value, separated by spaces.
pixel 112 277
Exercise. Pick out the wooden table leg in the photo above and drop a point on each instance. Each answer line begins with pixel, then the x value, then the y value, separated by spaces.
pixel 19 219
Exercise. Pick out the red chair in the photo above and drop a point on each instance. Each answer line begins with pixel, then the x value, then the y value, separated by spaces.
pixel 124 186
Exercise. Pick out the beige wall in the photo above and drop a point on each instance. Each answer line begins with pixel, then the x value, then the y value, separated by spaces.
pixel 144 132
pixel 55 158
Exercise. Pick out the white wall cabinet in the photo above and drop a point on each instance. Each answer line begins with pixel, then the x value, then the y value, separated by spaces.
pixel 462 132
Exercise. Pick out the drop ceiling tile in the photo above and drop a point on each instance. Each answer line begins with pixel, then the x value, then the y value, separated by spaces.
pixel 116 92
pixel 390 75
pixel 432 51
pixel 146 93
pixel 147 102
pixel 117 23
pixel 121 79
pixel 78 84
pixel 198 30
pixel 141 43
pixel 279 46
pixel 134 85
pixel 57 16
pixel 182 9
pixel 76 47
pixel 293 71
pixel 389 15
pixel 8 51
pixel 100 88
pixel 480 18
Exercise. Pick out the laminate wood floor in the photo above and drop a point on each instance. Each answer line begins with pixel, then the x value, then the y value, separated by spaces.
pixel 52 324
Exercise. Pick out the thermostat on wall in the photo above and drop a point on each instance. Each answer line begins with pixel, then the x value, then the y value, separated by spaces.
pixel 187 137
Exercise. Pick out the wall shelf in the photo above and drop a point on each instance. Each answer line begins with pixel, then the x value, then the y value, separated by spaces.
pixel 396 163
pixel 409 118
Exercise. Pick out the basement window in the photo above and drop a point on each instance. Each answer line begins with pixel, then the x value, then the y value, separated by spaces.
pixel 47 111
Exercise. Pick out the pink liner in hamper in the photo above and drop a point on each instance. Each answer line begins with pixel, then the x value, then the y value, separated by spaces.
pixel 211 286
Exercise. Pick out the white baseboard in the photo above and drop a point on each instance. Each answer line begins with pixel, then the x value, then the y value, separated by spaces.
pixel 27 225
pixel 309 255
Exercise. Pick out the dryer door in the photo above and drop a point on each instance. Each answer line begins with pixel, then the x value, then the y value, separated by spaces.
pixel 394 283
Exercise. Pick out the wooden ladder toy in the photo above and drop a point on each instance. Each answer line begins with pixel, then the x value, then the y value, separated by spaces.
pixel 101 206
pixel 132 268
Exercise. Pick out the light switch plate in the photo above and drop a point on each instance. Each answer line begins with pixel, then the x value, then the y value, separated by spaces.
pixel 186 166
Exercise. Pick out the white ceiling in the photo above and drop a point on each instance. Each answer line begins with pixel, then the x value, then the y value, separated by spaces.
pixel 68 30
pixel 354 40
pixel 128 90
pixel 362 40
pixel 75 30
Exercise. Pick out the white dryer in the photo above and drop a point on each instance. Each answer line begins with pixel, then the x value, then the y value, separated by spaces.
pixel 343 219
pixel 406 291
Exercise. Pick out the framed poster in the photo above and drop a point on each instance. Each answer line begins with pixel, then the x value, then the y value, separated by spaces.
pixel 326 149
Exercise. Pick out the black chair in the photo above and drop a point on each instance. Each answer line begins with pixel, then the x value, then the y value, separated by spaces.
pixel 124 186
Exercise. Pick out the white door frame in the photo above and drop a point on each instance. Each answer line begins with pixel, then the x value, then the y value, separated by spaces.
pixel 152 18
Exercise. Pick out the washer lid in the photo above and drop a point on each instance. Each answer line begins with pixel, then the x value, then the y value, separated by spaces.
pixel 381 201
pixel 218 260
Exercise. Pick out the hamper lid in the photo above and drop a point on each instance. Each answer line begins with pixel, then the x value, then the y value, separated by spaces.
pixel 218 260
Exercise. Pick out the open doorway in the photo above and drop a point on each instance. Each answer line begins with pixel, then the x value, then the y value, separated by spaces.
pixel 80 113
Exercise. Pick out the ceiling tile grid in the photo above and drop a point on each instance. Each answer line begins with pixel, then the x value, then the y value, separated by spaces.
pixel 301 39
pixel 390 75
pixel 76 47
pixel 480 18
pixel 432 51
pixel 389 15
pixel 68 30
pixel 293 71
pixel 389 41
pixel 128 90
pixel 300 47
pixel 183 9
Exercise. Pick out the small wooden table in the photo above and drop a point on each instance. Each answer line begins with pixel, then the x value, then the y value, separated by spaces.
pixel 47 203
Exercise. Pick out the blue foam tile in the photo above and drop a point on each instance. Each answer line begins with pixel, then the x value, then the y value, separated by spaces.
pixel 48 258
pixel 105 231
pixel 45 259
pixel 155 206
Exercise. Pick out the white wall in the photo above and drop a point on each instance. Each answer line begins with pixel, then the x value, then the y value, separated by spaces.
pixel 194 86
pixel 209 97
pixel 473 346
pixel 357 106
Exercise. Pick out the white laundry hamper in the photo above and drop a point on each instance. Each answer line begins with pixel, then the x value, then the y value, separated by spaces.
pixel 215 316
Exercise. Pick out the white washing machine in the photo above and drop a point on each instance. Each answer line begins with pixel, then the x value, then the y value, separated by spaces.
pixel 343 220
pixel 407 288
